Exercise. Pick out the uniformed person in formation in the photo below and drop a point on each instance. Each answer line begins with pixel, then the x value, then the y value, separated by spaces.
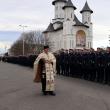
pixel 45 70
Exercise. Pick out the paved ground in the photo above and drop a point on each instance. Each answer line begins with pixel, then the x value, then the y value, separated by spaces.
pixel 18 92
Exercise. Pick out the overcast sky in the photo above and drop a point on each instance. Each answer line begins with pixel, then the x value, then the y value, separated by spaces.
pixel 37 14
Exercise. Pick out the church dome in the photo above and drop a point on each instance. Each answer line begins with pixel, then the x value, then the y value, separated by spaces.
pixel 86 8
pixel 53 3
pixel 69 4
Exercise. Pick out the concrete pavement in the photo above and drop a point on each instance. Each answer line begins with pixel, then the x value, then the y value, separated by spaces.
pixel 18 92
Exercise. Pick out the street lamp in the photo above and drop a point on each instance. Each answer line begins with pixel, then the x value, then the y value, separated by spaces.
pixel 23 26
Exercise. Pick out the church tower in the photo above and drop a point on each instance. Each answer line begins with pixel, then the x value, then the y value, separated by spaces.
pixel 86 19
pixel 86 14
pixel 59 13
pixel 68 22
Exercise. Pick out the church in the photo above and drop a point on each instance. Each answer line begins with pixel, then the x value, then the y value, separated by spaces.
pixel 66 31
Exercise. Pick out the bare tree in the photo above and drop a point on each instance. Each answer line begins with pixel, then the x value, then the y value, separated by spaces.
pixel 16 48
pixel 33 43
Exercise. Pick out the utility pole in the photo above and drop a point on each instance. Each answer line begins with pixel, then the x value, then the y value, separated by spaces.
pixel 23 27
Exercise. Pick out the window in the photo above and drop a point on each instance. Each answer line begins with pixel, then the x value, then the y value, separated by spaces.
pixel 60 7
pixel 56 7
pixel 57 45
pixel 81 39
pixel 71 15
pixel 68 19
pixel 60 15
pixel 56 16
pixel 64 43
pixel 72 44
pixel 71 31
pixel 89 19
pixel 60 44
pixel 88 44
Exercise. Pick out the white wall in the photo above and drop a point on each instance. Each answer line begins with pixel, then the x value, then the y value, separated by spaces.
pixel 56 40
pixel 69 13
pixel 59 12
pixel 86 17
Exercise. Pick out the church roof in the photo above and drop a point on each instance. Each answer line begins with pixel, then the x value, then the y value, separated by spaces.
pixel 58 22
pixel 53 3
pixel 69 4
pixel 50 28
pixel 86 8
pixel 78 23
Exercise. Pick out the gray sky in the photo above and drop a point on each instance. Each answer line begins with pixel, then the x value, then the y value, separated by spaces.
pixel 37 14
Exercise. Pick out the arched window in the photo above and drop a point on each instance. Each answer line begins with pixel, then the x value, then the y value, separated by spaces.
pixel 71 15
pixel 90 45
pixel 56 7
pixel 89 19
pixel 64 43
pixel 80 38
pixel 70 44
pixel 56 16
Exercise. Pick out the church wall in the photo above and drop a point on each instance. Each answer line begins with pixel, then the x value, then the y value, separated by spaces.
pixel 59 12
pixel 68 33
pixel 56 38
pixel 60 40
pixel 69 13
pixel 67 27
pixel 90 35
pixel 69 42
pixel 86 17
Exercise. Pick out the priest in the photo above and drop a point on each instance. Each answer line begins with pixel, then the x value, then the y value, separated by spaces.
pixel 45 71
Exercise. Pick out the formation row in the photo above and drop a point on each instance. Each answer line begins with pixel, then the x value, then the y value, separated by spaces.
pixel 93 66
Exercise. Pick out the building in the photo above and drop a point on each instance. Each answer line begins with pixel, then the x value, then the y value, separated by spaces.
pixel 66 31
